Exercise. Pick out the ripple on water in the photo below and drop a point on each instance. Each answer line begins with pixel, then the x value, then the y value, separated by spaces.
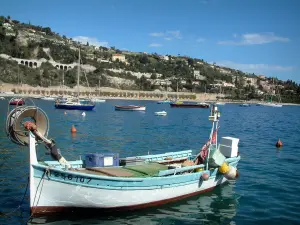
pixel 267 191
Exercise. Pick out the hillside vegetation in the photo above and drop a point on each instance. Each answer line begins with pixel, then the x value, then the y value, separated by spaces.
pixel 139 71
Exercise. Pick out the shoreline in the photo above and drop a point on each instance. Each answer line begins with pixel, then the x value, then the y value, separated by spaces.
pixel 6 95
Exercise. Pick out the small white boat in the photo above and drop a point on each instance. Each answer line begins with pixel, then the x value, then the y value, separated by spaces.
pixel 2 98
pixel 99 100
pixel 272 104
pixel 220 103
pixel 48 98
pixel 161 113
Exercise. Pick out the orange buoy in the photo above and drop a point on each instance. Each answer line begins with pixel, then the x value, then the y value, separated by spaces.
pixel 73 129
pixel 279 144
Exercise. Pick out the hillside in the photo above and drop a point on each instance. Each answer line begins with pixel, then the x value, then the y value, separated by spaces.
pixel 38 56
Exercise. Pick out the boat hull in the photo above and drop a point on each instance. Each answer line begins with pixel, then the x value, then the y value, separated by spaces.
pixel 272 105
pixel 74 107
pixel 17 102
pixel 174 105
pixel 164 102
pixel 130 108
pixel 57 196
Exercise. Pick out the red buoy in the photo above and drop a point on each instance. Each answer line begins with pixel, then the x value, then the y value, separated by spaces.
pixel 279 144
pixel 73 129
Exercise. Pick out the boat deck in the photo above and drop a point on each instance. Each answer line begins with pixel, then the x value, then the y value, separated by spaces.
pixel 144 170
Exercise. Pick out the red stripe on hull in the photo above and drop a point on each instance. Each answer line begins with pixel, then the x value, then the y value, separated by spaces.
pixel 43 210
pixel 188 106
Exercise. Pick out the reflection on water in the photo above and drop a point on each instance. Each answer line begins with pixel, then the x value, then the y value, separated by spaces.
pixel 216 207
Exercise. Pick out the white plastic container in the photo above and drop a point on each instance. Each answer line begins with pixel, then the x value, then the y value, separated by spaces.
pixel 230 141
pixel 229 146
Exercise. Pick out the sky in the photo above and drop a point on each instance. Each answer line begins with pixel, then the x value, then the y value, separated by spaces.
pixel 255 36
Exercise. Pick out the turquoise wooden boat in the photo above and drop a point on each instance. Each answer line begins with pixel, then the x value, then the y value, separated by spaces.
pixel 110 183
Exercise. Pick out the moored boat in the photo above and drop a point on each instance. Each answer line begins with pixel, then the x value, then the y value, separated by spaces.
pixel 189 105
pixel 17 101
pixel 98 100
pixel 48 98
pixel 75 103
pixel 272 104
pixel 245 105
pixel 104 181
pixel 161 113
pixel 166 101
pixel 130 108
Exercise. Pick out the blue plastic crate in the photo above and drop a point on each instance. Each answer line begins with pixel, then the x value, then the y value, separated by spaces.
pixel 101 160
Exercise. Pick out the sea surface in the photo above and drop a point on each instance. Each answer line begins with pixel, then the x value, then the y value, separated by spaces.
pixel 267 191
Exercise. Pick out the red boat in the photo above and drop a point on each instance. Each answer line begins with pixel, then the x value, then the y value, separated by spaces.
pixel 189 105
pixel 17 101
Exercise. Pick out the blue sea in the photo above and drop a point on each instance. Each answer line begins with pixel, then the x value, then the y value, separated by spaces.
pixel 267 191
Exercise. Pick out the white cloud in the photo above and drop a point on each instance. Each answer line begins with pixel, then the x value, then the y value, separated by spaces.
pixel 174 33
pixel 91 41
pixel 255 39
pixel 168 35
pixel 200 40
pixel 155 45
pixel 254 68
pixel 157 34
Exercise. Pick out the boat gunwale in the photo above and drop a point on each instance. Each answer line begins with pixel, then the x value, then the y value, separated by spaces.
pixel 124 180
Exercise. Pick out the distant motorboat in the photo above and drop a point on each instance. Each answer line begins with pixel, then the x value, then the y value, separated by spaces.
pixel 189 105
pixel 99 100
pixel 130 108
pixel 245 105
pixel 166 101
pixel 272 104
pixel 17 101
pixel 2 98
pixel 220 103
pixel 48 98
pixel 161 113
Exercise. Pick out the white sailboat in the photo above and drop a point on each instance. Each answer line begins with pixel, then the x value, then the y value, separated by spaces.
pixel 99 99
pixel 271 103
pixel 75 103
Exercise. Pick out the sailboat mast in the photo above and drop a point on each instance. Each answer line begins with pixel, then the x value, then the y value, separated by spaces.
pixel 78 72
pixel 18 75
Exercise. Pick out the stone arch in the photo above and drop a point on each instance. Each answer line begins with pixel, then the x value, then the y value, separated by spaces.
pixel 57 66
pixel 70 67
pixel 61 67
pixel 30 64
pixel 22 62
pixel 65 67
pixel 35 64
pixel 26 63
